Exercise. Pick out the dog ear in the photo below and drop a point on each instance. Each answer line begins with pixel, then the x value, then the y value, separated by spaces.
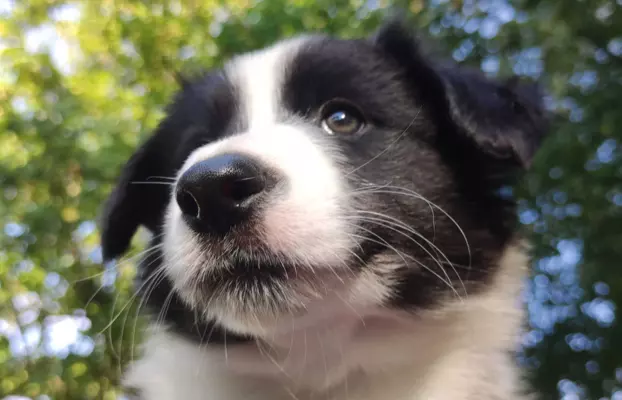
pixel 140 196
pixel 505 120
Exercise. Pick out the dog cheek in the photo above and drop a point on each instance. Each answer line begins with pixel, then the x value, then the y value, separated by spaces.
pixel 375 284
pixel 181 249
pixel 306 220
pixel 310 234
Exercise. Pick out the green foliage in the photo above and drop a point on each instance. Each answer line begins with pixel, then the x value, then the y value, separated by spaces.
pixel 72 113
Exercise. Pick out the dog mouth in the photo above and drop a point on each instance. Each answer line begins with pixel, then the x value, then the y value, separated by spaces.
pixel 254 284
pixel 249 274
pixel 239 279
pixel 239 271
pixel 252 271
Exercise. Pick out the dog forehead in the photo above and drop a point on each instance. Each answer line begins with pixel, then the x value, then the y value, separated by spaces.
pixel 258 78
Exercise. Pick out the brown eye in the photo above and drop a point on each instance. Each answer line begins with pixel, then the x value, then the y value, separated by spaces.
pixel 342 119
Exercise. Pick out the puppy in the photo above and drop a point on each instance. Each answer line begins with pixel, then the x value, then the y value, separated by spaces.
pixel 331 219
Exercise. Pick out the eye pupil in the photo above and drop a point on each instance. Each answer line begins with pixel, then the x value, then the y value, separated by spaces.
pixel 341 118
pixel 342 121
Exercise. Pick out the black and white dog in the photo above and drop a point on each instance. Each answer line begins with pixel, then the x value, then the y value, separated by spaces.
pixel 337 226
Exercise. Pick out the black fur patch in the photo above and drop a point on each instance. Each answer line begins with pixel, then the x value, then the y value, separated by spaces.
pixel 447 134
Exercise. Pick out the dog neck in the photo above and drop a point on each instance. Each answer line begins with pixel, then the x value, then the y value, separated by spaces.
pixel 362 354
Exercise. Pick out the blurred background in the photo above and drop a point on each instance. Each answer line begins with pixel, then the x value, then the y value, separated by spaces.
pixel 83 82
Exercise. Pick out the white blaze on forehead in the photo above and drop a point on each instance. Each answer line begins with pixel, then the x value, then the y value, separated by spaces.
pixel 258 77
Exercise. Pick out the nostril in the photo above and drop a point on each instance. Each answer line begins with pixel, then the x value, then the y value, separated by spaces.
pixel 188 204
pixel 243 188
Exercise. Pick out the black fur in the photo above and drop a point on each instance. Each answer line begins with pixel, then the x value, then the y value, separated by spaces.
pixel 467 138
pixel 456 138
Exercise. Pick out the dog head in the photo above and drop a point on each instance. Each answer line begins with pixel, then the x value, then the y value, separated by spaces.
pixel 321 171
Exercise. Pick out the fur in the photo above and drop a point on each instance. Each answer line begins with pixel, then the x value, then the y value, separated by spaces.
pixel 377 263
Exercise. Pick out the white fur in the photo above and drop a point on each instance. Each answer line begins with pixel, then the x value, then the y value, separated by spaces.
pixel 457 352
pixel 305 225
pixel 342 345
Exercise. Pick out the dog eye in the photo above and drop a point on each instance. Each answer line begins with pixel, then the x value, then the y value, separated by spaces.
pixel 342 118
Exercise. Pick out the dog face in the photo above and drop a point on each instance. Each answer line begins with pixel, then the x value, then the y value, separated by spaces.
pixel 319 175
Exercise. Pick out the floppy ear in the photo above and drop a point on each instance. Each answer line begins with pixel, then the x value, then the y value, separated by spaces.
pixel 134 201
pixel 505 120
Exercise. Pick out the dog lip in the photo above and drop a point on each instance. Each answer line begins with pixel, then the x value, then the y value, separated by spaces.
pixel 248 272
pixel 256 268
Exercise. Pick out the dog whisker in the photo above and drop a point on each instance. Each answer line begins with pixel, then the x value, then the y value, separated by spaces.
pixel 403 256
pixel 393 225
pixel 408 192
pixel 170 178
pixel 153 183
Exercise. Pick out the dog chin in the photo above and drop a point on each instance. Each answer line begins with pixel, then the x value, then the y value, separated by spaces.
pixel 273 307
pixel 257 296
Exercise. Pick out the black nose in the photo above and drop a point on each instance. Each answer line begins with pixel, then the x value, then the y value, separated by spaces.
pixel 219 192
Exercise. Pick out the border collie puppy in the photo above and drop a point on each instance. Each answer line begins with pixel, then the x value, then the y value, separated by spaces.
pixel 336 226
